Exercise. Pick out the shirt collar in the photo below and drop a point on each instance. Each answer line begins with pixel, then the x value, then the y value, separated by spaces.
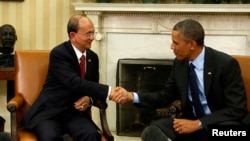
pixel 199 60
pixel 78 53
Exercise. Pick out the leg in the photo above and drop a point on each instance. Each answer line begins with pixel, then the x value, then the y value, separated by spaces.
pixel 82 128
pixel 159 130
pixel 153 133
pixel 195 136
pixel 166 129
pixel 49 130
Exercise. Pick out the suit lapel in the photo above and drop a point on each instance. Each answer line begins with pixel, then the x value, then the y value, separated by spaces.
pixel 70 49
pixel 208 70
pixel 185 81
pixel 182 75
pixel 89 62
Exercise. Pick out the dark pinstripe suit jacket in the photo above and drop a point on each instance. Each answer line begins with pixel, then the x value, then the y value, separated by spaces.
pixel 63 85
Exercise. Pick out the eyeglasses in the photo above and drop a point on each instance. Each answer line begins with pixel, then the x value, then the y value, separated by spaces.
pixel 88 35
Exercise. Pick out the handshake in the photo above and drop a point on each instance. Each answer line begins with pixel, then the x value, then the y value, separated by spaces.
pixel 121 95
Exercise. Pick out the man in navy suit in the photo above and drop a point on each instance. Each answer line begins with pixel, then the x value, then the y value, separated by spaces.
pixel 64 102
pixel 221 89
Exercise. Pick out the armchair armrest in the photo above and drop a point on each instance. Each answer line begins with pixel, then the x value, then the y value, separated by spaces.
pixel 12 107
pixel 175 109
pixel 105 128
pixel 14 103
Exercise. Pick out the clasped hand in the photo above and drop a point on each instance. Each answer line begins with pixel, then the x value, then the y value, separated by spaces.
pixel 120 95
pixel 82 104
pixel 185 126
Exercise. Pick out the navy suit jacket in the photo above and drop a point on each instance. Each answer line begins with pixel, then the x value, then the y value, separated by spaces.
pixel 64 86
pixel 223 84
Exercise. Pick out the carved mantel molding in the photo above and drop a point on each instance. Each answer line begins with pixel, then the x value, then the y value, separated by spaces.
pixel 217 19
pixel 163 8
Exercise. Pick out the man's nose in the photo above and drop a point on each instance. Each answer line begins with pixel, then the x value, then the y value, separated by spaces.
pixel 172 46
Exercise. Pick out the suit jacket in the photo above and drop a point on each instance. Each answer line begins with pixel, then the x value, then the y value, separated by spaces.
pixel 223 84
pixel 64 86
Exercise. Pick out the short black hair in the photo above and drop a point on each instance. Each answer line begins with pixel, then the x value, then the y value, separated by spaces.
pixel 191 30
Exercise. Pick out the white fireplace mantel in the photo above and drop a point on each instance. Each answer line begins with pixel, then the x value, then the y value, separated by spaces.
pixel 118 7
pixel 218 20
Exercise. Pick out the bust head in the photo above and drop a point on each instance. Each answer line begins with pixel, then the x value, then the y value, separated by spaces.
pixel 8 38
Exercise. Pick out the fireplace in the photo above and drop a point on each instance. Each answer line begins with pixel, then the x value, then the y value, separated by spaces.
pixel 140 75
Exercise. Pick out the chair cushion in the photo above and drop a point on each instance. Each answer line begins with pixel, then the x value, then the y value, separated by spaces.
pixel 25 135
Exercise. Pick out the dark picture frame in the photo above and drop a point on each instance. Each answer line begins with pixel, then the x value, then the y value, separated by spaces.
pixel 11 0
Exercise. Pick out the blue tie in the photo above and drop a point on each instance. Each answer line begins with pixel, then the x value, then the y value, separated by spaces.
pixel 195 92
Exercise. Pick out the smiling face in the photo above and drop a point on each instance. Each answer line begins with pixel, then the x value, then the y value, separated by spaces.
pixel 83 37
pixel 8 38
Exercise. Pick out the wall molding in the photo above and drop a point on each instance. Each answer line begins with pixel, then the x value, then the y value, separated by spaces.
pixel 172 8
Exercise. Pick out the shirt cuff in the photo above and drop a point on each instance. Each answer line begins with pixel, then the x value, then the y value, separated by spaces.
pixel 91 102
pixel 136 98
pixel 108 93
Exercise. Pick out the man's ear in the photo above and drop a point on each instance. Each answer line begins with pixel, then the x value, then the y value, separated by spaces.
pixel 72 34
pixel 193 43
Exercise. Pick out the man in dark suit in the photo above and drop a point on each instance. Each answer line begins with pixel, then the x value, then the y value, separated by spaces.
pixel 69 91
pixel 221 90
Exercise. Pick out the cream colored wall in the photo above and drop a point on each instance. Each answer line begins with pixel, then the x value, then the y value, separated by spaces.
pixel 40 24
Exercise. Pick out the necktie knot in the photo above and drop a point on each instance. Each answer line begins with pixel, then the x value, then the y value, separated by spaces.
pixel 191 66
pixel 82 58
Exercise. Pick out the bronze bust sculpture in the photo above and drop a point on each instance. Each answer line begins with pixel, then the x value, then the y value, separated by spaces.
pixel 8 38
